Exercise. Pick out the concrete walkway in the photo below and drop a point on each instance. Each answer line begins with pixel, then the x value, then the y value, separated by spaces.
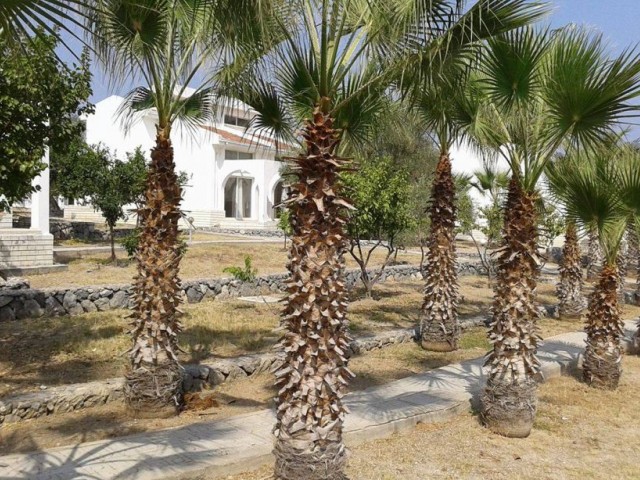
pixel 210 449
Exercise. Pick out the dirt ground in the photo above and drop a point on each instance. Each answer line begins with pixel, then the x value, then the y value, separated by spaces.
pixel 580 433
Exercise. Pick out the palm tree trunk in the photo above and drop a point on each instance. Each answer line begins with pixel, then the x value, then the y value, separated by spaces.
pixel 622 263
pixel 153 385
pixel 603 355
pixel 594 255
pixel 439 328
pixel 509 400
pixel 569 290
pixel 310 413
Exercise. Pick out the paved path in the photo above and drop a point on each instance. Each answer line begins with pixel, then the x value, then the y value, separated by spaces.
pixel 206 450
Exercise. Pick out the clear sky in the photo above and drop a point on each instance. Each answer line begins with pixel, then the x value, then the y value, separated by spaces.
pixel 618 20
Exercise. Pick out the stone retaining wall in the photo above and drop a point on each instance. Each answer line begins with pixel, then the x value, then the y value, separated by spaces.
pixel 70 398
pixel 32 303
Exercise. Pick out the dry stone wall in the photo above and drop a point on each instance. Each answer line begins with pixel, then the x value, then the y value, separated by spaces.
pixel 33 303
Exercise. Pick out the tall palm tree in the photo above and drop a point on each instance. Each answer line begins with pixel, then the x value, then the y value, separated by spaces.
pixel 167 45
pixel 591 195
pixel 328 79
pixel 543 90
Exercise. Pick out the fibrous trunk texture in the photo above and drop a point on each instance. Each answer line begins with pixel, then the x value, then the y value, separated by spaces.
pixel 602 359
pixel 569 290
pixel 153 384
pixel 594 255
pixel 622 263
pixel 509 400
pixel 310 413
pixel 439 328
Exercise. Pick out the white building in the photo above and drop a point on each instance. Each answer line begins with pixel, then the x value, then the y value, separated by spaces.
pixel 234 176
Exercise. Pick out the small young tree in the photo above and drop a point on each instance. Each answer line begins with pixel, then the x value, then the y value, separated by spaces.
pixel 380 193
pixel 116 185
pixel 107 183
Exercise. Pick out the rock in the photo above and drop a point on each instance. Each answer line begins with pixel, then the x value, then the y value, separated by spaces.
pixel 106 292
pixel 216 377
pixel 7 314
pixel 32 309
pixel 70 300
pixel 82 294
pixel 224 292
pixel 88 306
pixel 187 383
pixel 6 408
pixel 193 295
pixel 17 283
pixel 119 300
pixel 53 307
pixel 5 300
pixel 12 418
pixel 102 304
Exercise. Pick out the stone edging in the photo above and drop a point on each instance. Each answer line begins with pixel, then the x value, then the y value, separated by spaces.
pixel 68 398
pixel 33 303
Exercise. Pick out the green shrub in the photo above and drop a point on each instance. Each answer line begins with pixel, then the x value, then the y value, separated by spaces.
pixel 131 241
pixel 246 274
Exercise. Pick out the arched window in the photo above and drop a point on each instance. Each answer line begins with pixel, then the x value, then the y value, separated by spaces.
pixel 237 197
pixel 279 195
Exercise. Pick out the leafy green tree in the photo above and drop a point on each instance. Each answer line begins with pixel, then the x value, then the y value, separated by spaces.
pixel 40 101
pixel 107 183
pixel 379 192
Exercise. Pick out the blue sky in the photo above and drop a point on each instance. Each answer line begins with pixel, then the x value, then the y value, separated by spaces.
pixel 618 20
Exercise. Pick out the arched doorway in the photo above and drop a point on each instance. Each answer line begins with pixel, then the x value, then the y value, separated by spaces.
pixel 237 197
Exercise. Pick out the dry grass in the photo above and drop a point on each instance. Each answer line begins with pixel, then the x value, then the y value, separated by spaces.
pixel 62 350
pixel 574 437
pixel 200 261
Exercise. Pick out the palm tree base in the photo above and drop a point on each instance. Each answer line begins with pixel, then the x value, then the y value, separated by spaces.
pixel 154 391
pixel 509 409
pixel 326 463
pixel 438 346
pixel 602 372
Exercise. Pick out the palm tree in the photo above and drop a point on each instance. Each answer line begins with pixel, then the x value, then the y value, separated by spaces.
pixel 591 195
pixel 328 78
pixel 543 91
pixel 569 289
pixel 594 255
pixel 19 19
pixel 168 45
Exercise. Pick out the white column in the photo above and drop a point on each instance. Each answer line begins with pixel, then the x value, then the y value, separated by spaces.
pixel 40 199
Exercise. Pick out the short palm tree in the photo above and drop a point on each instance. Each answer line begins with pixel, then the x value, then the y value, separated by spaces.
pixel 328 79
pixel 569 290
pixel 542 90
pixel 591 195
pixel 166 44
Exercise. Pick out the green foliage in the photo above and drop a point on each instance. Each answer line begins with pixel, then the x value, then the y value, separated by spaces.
pixel 246 273
pixel 40 101
pixel 380 192
pixel 284 222
pixel 130 243
pixel 466 211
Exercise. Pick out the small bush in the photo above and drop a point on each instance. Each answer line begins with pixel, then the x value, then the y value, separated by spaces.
pixel 131 241
pixel 246 274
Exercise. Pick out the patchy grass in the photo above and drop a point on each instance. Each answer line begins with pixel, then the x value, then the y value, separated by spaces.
pixel 200 261
pixel 573 438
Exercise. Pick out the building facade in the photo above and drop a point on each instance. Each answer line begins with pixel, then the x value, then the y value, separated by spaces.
pixel 234 178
